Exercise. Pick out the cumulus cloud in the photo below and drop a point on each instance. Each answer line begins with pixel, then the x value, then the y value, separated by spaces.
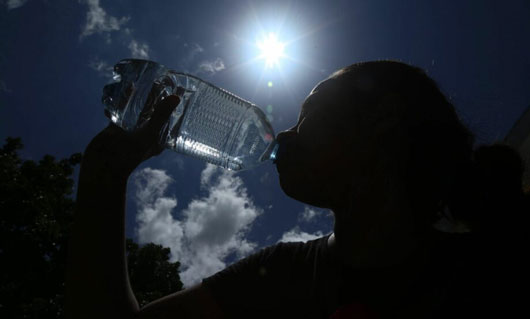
pixel 210 228
pixel 191 52
pixel 309 214
pixel 207 173
pixel 296 234
pixel 212 66
pixel 139 50
pixel 151 184
pixel 102 67
pixel 97 20
pixel 313 215
pixel 13 4
pixel 194 49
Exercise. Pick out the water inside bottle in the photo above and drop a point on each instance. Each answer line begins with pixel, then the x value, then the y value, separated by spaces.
pixel 222 129
pixel 209 123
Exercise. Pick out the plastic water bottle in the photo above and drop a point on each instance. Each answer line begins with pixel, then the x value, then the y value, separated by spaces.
pixel 209 122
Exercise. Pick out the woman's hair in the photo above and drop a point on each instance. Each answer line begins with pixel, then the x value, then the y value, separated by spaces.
pixel 444 175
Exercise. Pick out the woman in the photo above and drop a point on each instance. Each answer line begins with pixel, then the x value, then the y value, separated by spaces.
pixel 378 144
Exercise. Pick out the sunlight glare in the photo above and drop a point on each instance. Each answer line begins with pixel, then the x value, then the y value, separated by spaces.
pixel 271 50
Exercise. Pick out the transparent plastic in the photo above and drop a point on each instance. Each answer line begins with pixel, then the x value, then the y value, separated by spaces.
pixel 209 123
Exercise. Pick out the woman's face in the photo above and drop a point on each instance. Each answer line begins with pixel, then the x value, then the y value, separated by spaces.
pixel 315 158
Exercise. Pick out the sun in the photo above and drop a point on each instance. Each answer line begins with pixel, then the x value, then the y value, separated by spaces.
pixel 271 50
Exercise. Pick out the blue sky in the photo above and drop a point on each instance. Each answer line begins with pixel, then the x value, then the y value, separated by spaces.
pixel 55 57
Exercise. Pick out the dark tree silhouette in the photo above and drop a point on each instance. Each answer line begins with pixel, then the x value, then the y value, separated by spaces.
pixel 151 274
pixel 36 210
pixel 36 213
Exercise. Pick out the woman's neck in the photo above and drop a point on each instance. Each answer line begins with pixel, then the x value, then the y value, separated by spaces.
pixel 375 242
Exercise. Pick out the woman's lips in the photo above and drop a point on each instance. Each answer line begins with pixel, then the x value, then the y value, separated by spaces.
pixel 282 163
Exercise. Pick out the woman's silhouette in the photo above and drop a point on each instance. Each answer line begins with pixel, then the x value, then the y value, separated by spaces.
pixel 379 145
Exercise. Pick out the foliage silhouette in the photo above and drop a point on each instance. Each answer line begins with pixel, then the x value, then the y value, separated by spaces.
pixel 151 274
pixel 36 214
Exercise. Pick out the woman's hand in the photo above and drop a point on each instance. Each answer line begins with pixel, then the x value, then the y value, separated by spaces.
pixel 120 152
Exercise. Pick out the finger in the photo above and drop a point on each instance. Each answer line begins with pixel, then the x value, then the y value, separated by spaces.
pixel 162 112
pixel 112 130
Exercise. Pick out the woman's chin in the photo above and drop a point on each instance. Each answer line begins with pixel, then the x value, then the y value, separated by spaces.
pixel 299 190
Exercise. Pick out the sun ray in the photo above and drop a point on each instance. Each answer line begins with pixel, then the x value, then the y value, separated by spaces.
pixel 258 84
pixel 313 30
pixel 284 81
pixel 303 63
pixel 237 66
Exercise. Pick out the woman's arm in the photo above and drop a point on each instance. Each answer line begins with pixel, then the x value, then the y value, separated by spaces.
pixel 97 283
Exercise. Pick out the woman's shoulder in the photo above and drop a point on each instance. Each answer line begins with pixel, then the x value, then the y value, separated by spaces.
pixel 293 251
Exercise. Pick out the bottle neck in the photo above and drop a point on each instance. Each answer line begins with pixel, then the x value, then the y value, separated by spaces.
pixel 274 146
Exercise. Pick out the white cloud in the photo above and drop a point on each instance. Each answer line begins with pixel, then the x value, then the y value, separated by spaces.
pixel 97 20
pixel 296 234
pixel 102 67
pixel 140 51
pixel 212 66
pixel 151 184
pixel 211 227
pixel 13 4
pixel 193 50
pixel 309 214
pixel 207 173
pixel 158 225
pixel 313 214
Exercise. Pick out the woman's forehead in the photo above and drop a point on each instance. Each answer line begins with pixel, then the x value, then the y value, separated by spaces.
pixel 318 96
pixel 322 85
pixel 309 106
